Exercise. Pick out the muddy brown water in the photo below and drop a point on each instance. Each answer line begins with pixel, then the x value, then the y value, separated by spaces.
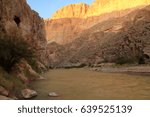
pixel 75 84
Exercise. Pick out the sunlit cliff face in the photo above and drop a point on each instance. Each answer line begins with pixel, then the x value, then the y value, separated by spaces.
pixel 98 7
pixel 72 10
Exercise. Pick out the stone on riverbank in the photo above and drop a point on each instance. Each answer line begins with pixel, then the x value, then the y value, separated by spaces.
pixel 4 98
pixel 28 93
pixel 53 94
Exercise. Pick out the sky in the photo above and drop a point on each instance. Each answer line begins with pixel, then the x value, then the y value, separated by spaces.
pixel 46 8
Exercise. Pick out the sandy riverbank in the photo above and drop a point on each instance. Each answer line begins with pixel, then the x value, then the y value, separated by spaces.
pixel 122 69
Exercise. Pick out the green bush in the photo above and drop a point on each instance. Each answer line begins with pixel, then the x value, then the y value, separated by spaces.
pixel 12 50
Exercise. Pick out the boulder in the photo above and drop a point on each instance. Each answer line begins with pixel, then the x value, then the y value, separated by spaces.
pixel 28 93
pixel 3 91
pixel 53 94
pixel 4 98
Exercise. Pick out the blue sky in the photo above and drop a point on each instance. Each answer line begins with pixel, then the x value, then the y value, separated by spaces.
pixel 46 8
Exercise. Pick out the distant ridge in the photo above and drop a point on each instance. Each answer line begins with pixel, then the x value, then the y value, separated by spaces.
pixel 98 7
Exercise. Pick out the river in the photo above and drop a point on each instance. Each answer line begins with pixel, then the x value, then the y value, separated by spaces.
pixel 86 84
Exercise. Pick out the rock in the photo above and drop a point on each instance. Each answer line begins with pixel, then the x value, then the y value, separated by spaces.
pixel 107 64
pixel 41 78
pixel 5 98
pixel 25 72
pixel 106 43
pixel 106 6
pixel 53 94
pixel 70 11
pixel 14 97
pixel 95 69
pixel 97 8
pixel 69 21
pixel 42 68
pixel 18 19
pixel 28 93
pixel 73 65
pixel 3 91
pixel 22 77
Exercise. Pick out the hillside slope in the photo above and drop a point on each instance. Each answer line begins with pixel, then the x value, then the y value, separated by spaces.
pixel 118 40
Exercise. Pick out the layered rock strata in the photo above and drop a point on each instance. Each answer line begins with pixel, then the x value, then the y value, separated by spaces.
pixel 71 20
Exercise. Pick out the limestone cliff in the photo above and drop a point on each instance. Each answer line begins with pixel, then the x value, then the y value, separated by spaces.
pixel 65 30
pixel 71 20
pixel 106 6
pixel 70 11
pixel 98 7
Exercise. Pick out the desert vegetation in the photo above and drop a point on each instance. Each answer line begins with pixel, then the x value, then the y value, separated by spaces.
pixel 12 50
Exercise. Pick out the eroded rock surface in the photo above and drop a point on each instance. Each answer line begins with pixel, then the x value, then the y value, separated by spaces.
pixel 70 21
pixel 117 40
pixel 17 19
pixel 97 8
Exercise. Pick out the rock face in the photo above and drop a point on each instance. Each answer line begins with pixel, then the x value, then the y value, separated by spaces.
pixel 72 20
pixel 107 31
pixel 106 6
pixel 25 72
pixel 117 40
pixel 70 11
pixel 97 8
pixel 63 31
pixel 18 19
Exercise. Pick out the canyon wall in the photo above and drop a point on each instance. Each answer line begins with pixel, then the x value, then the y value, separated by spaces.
pixel 116 40
pixel 97 8
pixel 18 19
pixel 71 20
pixel 71 11
pixel 105 6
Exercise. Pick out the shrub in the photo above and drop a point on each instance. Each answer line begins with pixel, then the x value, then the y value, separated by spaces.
pixel 123 60
pixel 12 50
